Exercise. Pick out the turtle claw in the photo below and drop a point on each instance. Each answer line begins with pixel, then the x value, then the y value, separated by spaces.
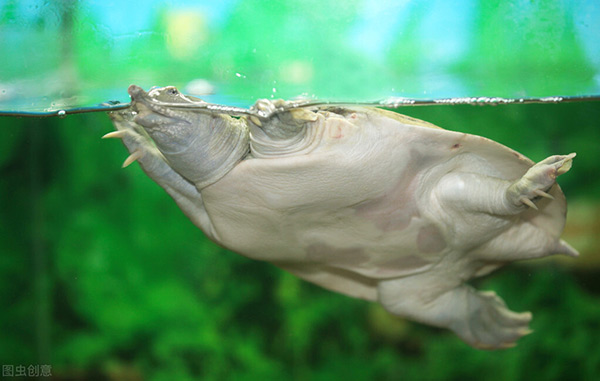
pixel 567 162
pixel 137 154
pixel 528 202
pixel 120 134
pixel 137 143
pixel 265 108
pixel 256 120
pixel 541 193
pixel 538 180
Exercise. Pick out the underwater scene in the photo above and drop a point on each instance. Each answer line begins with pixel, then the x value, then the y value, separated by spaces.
pixel 102 276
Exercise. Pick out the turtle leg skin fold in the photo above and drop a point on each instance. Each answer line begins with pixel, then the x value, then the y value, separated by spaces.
pixel 154 164
pixel 481 319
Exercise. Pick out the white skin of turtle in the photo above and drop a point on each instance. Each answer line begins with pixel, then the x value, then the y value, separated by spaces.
pixel 358 200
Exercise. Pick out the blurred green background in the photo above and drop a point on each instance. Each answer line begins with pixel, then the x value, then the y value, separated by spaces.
pixel 103 277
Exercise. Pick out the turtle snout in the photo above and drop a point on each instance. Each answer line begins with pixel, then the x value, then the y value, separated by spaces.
pixel 135 92
pixel 138 95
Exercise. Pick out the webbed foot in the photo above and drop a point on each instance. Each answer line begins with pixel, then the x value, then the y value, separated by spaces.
pixel 481 319
pixel 489 324
pixel 538 180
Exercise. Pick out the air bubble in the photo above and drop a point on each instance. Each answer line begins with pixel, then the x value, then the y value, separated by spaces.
pixel 61 113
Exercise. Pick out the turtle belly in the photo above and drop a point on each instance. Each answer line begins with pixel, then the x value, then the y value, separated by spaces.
pixel 316 209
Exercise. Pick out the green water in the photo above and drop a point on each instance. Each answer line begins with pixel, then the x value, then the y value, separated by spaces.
pixel 102 275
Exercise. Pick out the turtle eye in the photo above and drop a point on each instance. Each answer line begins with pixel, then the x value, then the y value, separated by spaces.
pixel 172 91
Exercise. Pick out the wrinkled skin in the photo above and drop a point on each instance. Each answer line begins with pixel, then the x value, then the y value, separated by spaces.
pixel 358 200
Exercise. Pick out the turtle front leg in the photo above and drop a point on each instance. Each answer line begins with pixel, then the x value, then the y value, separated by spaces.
pixel 154 164
pixel 481 319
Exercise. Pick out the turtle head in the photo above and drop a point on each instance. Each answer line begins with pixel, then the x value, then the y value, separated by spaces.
pixel 200 145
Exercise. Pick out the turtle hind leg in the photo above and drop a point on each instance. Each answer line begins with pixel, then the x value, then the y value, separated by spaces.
pixel 481 319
